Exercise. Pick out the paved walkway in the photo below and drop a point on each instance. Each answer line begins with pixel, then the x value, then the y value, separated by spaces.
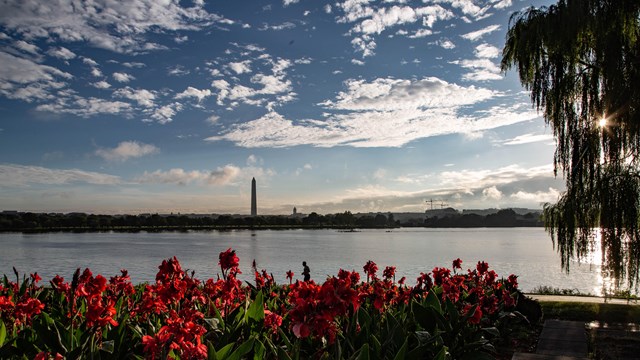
pixel 559 340
pixel 586 299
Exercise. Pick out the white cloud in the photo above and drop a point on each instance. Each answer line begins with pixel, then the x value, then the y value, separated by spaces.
pixel 382 113
pixel 178 70
pixel 21 175
pixel 327 9
pixel 85 107
pixel 115 26
pixel 446 44
pixel 421 33
pixel 27 80
pixel 357 62
pixel 468 7
pixel 252 160
pixel 213 119
pixel 195 93
pixel 492 193
pixel 550 196
pixel 384 94
pixel 284 26
pixel 27 47
pixel 122 77
pixel 262 88
pixel 219 176
pixel 143 97
pixel 96 72
pixel 289 2
pixel 89 61
pixel 480 69
pixel 364 45
pixel 478 34
pixel 134 65
pixel 502 4
pixel 166 113
pixel 371 21
pixel 62 53
pixel 127 150
pixel 528 138
pixel 480 179
pixel 240 67
pixel 383 18
pixel 487 51
pixel 101 85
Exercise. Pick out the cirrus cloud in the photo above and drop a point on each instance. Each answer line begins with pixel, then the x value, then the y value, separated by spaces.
pixel 382 113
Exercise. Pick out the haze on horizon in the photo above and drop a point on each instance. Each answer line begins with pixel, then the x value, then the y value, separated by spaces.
pixel 147 106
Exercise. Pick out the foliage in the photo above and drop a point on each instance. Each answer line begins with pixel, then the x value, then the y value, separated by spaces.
pixel 588 312
pixel 580 59
pixel 448 314
pixel 548 290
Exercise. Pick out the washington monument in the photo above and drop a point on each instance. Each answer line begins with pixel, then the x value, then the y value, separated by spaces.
pixel 254 203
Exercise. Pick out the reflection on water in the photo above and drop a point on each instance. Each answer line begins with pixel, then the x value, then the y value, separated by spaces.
pixel 526 252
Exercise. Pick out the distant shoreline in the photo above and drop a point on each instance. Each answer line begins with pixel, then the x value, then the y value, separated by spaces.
pixel 151 229
pixel 79 222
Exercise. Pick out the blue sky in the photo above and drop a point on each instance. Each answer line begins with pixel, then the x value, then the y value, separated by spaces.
pixel 173 106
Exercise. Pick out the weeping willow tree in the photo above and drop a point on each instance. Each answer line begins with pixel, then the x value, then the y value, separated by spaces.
pixel 580 60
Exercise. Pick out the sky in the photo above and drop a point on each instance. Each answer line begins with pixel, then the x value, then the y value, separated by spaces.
pixel 146 106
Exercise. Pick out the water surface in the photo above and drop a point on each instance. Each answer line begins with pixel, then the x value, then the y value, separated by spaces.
pixel 526 252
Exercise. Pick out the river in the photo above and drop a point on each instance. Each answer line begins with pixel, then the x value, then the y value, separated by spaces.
pixel 526 252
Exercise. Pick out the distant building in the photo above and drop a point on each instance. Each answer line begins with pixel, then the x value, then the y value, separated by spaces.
pixel 254 202
pixel 296 214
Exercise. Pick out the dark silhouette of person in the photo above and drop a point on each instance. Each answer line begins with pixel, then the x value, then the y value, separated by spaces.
pixel 306 272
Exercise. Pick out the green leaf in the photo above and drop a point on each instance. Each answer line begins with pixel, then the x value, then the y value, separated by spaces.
pixel 493 331
pixel 433 301
pixel 283 354
pixel 3 333
pixel 364 352
pixel 402 353
pixel 442 354
pixel 211 352
pixel 259 350
pixel 256 309
pixel 242 350
pixel 425 316
pixel 222 353
pixel 377 347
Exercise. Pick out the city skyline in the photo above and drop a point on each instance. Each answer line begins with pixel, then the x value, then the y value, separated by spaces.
pixel 366 106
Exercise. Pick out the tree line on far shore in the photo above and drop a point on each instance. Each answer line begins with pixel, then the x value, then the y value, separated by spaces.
pixel 28 221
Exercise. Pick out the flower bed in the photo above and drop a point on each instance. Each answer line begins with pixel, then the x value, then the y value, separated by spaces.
pixel 448 313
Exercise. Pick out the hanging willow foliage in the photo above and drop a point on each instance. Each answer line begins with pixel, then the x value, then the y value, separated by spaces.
pixel 580 59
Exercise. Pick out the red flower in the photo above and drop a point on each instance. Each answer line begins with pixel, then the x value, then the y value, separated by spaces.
pixel 46 356
pixel 370 268
pixel 290 276
pixel 228 259
pixel 513 280
pixel 482 267
pixel 477 313
pixel 389 272
pixel 457 263
pixel 301 330
pixel 272 321
pixel 36 278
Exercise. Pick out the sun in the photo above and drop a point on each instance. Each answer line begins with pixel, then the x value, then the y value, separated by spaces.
pixel 602 122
